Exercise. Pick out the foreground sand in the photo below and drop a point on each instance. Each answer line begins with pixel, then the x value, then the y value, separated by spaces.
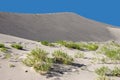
pixel 84 70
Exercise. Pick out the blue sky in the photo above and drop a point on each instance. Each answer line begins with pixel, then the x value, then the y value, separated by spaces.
pixel 106 11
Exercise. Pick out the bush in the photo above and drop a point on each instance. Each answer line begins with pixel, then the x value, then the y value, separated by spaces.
pixel 116 72
pixel 3 49
pixel 91 46
pixel 17 46
pixel 62 57
pixel 46 43
pixel 2 46
pixel 38 59
pixel 102 71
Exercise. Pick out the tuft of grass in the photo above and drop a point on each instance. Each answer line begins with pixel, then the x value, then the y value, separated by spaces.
pixel 2 45
pixel 91 46
pixel 79 46
pixel 62 57
pixel 17 46
pixel 102 71
pixel 46 43
pixel 38 59
pixel 116 71
pixel 3 48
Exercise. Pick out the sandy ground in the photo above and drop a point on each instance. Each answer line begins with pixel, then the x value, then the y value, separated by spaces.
pixel 22 72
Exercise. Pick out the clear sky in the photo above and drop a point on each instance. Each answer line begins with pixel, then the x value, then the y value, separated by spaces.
pixel 106 11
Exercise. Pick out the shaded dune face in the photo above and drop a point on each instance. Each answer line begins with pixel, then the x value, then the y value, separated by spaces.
pixel 53 27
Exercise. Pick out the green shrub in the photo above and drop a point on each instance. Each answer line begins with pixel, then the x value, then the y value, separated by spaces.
pixel 36 55
pixel 91 46
pixel 43 67
pixel 102 71
pixel 46 43
pixel 2 46
pixel 116 71
pixel 17 46
pixel 112 51
pixel 38 59
pixel 3 49
pixel 62 57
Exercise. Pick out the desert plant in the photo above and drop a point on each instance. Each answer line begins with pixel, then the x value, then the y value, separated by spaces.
pixel 3 49
pixel 91 46
pixel 38 59
pixel 103 78
pixel 2 46
pixel 17 46
pixel 115 71
pixel 43 67
pixel 102 71
pixel 36 55
pixel 46 43
pixel 62 57
pixel 111 51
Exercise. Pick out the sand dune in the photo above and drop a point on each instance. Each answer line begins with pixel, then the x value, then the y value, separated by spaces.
pixel 52 27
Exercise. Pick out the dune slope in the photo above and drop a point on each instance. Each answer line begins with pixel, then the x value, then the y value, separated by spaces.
pixel 52 27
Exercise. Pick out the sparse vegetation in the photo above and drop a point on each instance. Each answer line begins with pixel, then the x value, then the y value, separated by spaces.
pixel 79 46
pixel 91 46
pixel 112 51
pixel 116 71
pixel 62 57
pixel 46 43
pixel 102 71
pixel 38 59
pixel 3 48
pixel 17 46
pixel 105 71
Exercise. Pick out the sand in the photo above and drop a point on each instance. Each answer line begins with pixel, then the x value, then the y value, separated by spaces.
pixel 19 71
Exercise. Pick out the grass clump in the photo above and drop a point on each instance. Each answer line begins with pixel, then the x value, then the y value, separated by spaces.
pixel 91 46
pixel 111 51
pixel 79 45
pixel 103 78
pixel 3 48
pixel 102 71
pixel 46 43
pixel 17 46
pixel 38 59
pixel 62 57
pixel 116 71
